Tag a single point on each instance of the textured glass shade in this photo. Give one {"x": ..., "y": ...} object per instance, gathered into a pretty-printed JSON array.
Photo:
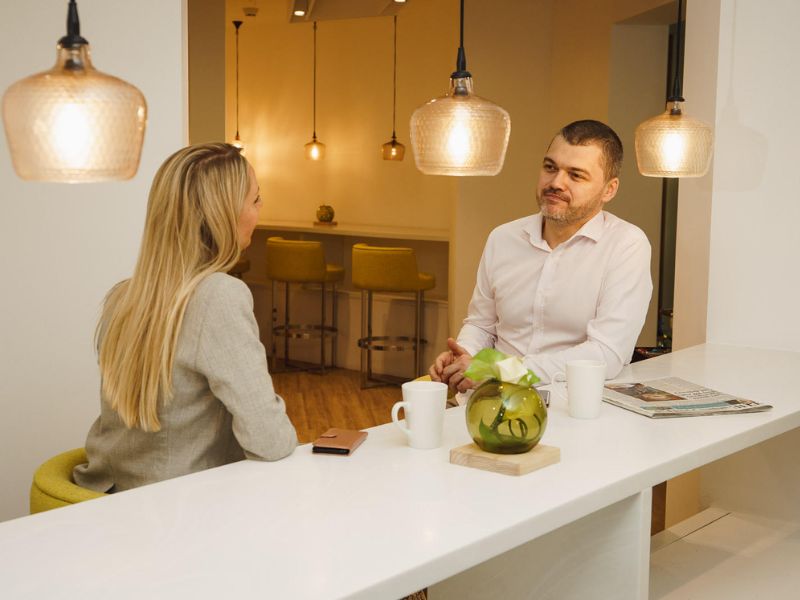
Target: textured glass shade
[
  {"x": 315, "y": 150},
  {"x": 460, "y": 133},
  {"x": 73, "y": 123},
  {"x": 673, "y": 145},
  {"x": 393, "y": 150}
]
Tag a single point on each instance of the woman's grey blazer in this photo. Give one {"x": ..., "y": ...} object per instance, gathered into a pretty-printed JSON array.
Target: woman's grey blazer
[{"x": 224, "y": 407}]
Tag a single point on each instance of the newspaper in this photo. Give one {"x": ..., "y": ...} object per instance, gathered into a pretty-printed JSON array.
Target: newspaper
[{"x": 674, "y": 397}]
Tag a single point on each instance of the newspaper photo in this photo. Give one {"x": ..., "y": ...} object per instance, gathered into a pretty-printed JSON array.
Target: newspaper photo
[{"x": 674, "y": 397}]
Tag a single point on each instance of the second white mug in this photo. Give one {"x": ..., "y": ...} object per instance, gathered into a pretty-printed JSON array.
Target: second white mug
[
  {"x": 585, "y": 380},
  {"x": 423, "y": 404}
]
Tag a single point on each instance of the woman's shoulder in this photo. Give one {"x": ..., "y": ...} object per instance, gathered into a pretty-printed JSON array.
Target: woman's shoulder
[{"x": 221, "y": 287}]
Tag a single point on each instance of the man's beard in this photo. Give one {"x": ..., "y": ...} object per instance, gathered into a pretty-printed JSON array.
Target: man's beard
[{"x": 569, "y": 214}]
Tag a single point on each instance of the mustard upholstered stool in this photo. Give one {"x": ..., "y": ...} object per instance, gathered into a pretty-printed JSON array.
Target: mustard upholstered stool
[
  {"x": 240, "y": 268},
  {"x": 380, "y": 269},
  {"x": 53, "y": 486},
  {"x": 300, "y": 261}
]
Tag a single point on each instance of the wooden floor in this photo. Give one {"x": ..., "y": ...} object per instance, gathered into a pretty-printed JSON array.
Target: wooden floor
[{"x": 317, "y": 402}]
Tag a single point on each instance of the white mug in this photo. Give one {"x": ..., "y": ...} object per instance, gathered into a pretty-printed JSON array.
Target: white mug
[
  {"x": 585, "y": 380},
  {"x": 423, "y": 404}
]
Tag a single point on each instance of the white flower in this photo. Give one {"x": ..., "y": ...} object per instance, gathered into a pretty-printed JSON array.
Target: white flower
[{"x": 511, "y": 369}]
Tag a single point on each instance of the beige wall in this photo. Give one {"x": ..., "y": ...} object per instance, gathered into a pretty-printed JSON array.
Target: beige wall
[
  {"x": 62, "y": 246},
  {"x": 206, "y": 22},
  {"x": 354, "y": 111}
]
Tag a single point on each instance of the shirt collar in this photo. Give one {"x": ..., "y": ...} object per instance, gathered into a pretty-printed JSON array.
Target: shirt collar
[{"x": 592, "y": 229}]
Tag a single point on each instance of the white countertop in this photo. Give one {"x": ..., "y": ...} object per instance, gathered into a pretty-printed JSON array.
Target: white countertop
[
  {"x": 356, "y": 230},
  {"x": 389, "y": 519}
]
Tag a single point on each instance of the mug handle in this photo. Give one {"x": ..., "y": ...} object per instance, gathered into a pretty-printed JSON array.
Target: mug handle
[
  {"x": 395, "y": 418},
  {"x": 560, "y": 377}
]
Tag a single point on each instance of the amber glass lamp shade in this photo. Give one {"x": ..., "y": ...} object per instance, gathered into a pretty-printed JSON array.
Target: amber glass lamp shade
[
  {"x": 673, "y": 145},
  {"x": 315, "y": 150},
  {"x": 460, "y": 133},
  {"x": 393, "y": 150},
  {"x": 74, "y": 124}
]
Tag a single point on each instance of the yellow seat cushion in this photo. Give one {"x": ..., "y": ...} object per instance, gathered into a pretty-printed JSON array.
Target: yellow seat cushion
[
  {"x": 53, "y": 486},
  {"x": 387, "y": 269},
  {"x": 300, "y": 261}
]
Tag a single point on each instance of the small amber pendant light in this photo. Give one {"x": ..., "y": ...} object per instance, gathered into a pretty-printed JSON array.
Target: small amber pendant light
[
  {"x": 237, "y": 141},
  {"x": 394, "y": 150},
  {"x": 315, "y": 150}
]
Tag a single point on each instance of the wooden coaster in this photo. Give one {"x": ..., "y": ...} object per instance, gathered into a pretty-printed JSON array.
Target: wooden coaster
[{"x": 507, "y": 464}]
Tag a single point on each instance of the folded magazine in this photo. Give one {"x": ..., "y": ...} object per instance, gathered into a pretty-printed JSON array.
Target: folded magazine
[{"x": 675, "y": 397}]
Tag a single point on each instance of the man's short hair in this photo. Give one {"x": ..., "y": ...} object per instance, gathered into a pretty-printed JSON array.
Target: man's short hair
[{"x": 587, "y": 131}]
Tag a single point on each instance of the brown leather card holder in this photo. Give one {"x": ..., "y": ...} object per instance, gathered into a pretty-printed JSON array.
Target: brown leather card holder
[{"x": 339, "y": 441}]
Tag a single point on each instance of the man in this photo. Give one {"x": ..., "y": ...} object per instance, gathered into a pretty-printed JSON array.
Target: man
[{"x": 570, "y": 282}]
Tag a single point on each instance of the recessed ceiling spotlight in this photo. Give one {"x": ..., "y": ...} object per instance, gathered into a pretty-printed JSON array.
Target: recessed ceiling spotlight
[
  {"x": 299, "y": 13},
  {"x": 400, "y": 1},
  {"x": 250, "y": 11}
]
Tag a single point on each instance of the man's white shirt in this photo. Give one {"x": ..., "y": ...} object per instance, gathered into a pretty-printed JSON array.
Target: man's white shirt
[{"x": 585, "y": 299}]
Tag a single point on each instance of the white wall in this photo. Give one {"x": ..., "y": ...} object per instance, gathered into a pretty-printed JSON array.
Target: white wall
[
  {"x": 62, "y": 246},
  {"x": 753, "y": 278}
]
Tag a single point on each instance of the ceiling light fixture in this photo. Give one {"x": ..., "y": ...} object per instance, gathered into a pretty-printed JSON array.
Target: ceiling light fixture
[
  {"x": 237, "y": 141},
  {"x": 672, "y": 144},
  {"x": 460, "y": 133},
  {"x": 74, "y": 124},
  {"x": 299, "y": 8},
  {"x": 394, "y": 150},
  {"x": 315, "y": 150}
]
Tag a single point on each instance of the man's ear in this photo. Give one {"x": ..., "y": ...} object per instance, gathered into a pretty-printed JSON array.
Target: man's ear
[{"x": 610, "y": 189}]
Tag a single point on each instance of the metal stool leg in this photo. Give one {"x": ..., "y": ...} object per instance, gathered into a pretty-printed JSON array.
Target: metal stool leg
[
  {"x": 286, "y": 325},
  {"x": 369, "y": 334},
  {"x": 272, "y": 331},
  {"x": 322, "y": 333},
  {"x": 335, "y": 325},
  {"x": 418, "y": 334},
  {"x": 363, "y": 337}
]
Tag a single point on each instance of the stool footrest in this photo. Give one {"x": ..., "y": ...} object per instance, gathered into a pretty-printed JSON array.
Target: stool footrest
[
  {"x": 305, "y": 332},
  {"x": 387, "y": 342}
]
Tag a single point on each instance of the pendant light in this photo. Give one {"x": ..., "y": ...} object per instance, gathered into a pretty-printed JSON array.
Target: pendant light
[
  {"x": 672, "y": 144},
  {"x": 74, "y": 124},
  {"x": 460, "y": 133},
  {"x": 315, "y": 150},
  {"x": 237, "y": 141},
  {"x": 394, "y": 150}
]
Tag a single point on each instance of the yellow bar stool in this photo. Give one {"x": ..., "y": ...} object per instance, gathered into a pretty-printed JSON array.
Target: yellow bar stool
[
  {"x": 393, "y": 270},
  {"x": 303, "y": 262}
]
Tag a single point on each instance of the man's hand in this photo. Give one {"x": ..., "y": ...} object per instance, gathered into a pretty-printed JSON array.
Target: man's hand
[{"x": 449, "y": 367}]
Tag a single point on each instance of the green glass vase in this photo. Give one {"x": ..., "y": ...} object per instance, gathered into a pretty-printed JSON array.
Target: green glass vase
[{"x": 505, "y": 418}]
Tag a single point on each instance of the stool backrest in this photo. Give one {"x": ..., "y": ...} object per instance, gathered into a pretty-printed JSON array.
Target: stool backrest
[
  {"x": 385, "y": 269},
  {"x": 295, "y": 260}
]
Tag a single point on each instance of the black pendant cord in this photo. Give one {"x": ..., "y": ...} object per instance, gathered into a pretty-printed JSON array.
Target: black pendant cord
[
  {"x": 677, "y": 81},
  {"x": 461, "y": 59},
  {"x": 314, "y": 115},
  {"x": 394, "y": 84},
  {"x": 73, "y": 37},
  {"x": 237, "y": 24}
]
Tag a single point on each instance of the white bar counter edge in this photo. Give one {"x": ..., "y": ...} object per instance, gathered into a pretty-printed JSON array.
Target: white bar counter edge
[{"x": 389, "y": 519}]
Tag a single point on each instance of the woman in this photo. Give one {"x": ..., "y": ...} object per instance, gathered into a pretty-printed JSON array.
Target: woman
[{"x": 185, "y": 385}]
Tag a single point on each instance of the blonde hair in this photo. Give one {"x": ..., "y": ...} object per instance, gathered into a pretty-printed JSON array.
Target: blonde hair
[{"x": 190, "y": 232}]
